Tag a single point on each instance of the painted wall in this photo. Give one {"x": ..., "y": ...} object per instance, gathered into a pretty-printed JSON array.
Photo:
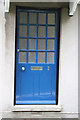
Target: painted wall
[
  {"x": 2, "y": 55},
  {"x": 68, "y": 63},
  {"x": 79, "y": 60}
]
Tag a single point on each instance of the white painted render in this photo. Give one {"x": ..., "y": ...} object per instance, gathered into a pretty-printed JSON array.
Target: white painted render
[
  {"x": 2, "y": 53},
  {"x": 68, "y": 62}
]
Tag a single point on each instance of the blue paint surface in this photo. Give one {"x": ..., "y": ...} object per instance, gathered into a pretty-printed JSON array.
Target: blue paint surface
[{"x": 36, "y": 86}]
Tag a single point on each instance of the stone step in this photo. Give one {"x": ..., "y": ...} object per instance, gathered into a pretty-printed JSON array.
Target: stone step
[{"x": 40, "y": 119}]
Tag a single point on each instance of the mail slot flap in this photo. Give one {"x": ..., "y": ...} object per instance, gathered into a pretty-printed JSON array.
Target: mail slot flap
[{"x": 36, "y": 68}]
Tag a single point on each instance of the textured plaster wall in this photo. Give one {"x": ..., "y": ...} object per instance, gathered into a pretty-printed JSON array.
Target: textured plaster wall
[
  {"x": 69, "y": 62},
  {"x": 2, "y": 52}
]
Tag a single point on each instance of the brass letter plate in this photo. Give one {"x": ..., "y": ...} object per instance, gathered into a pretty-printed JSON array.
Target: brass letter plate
[{"x": 36, "y": 68}]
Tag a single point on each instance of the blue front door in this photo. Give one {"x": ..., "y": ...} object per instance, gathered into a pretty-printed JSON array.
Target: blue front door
[{"x": 36, "y": 57}]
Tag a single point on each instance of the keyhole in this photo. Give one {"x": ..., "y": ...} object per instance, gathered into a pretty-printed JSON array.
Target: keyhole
[{"x": 48, "y": 67}]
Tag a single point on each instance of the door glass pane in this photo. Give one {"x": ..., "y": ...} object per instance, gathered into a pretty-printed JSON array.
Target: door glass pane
[
  {"x": 51, "y": 18},
  {"x": 22, "y": 43},
  {"x": 23, "y": 17},
  {"x": 50, "y": 57},
  {"x": 50, "y": 44},
  {"x": 51, "y": 31},
  {"x": 41, "y": 57},
  {"x": 22, "y": 57},
  {"x": 32, "y": 31},
  {"x": 32, "y": 57},
  {"x": 23, "y": 31},
  {"x": 42, "y": 18},
  {"x": 32, "y": 18},
  {"x": 41, "y": 44},
  {"x": 41, "y": 31},
  {"x": 32, "y": 44}
]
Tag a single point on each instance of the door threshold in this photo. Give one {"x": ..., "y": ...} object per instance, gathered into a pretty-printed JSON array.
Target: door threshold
[{"x": 37, "y": 108}]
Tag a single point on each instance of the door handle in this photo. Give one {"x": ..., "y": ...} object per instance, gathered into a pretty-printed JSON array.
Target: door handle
[
  {"x": 17, "y": 50},
  {"x": 23, "y": 68}
]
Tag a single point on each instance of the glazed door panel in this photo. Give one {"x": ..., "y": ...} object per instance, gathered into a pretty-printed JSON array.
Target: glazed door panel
[{"x": 36, "y": 57}]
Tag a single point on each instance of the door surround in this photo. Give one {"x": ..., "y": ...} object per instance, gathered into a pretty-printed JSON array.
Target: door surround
[{"x": 57, "y": 107}]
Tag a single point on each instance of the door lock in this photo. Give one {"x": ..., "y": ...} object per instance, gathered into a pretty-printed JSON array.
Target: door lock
[
  {"x": 17, "y": 50},
  {"x": 23, "y": 68},
  {"x": 48, "y": 68}
]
